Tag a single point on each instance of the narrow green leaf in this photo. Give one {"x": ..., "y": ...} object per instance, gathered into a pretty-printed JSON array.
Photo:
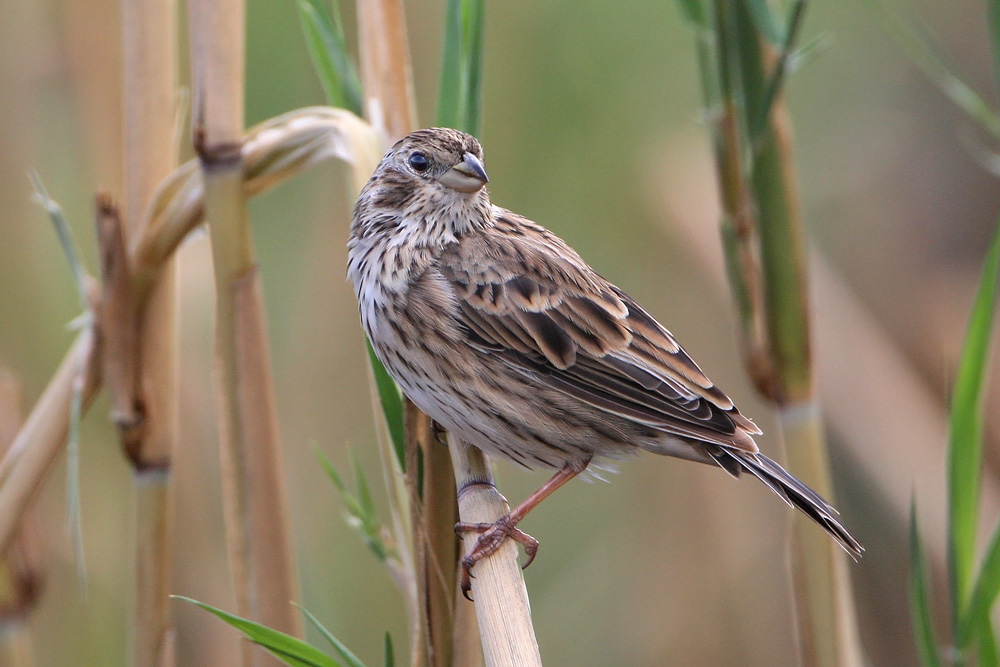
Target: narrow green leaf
[
  {"x": 86, "y": 318},
  {"x": 779, "y": 72},
  {"x": 920, "y": 605},
  {"x": 360, "y": 510},
  {"x": 966, "y": 434},
  {"x": 450, "y": 92},
  {"x": 390, "y": 658},
  {"x": 988, "y": 656},
  {"x": 325, "y": 38},
  {"x": 345, "y": 653},
  {"x": 460, "y": 97},
  {"x": 993, "y": 7},
  {"x": 765, "y": 21},
  {"x": 919, "y": 47},
  {"x": 291, "y": 650},
  {"x": 977, "y": 614},
  {"x": 392, "y": 406},
  {"x": 695, "y": 12},
  {"x": 364, "y": 492}
]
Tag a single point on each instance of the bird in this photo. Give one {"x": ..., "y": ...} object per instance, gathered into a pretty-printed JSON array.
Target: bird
[{"x": 500, "y": 332}]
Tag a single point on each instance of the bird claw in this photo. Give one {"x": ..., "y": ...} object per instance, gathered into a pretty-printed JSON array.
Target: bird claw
[{"x": 491, "y": 537}]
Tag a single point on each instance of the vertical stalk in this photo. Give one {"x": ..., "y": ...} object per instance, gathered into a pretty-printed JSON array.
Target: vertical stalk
[
  {"x": 149, "y": 86},
  {"x": 386, "y": 75},
  {"x": 762, "y": 236},
  {"x": 253, "y": 475},
  {"x": 19, "y": 576},
  {"x": 498, "y": 587}
]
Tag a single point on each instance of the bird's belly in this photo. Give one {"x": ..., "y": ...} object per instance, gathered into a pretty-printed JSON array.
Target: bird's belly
[{"x": 502, "y": 411}]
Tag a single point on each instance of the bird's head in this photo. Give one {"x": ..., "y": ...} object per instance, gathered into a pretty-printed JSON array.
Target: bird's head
[
  {"x": 440, "y": 158},
  {"x": 428, "y": 188}
]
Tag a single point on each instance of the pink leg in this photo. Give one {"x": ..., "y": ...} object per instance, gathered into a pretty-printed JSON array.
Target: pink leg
[{"x": 492, "y": 535}]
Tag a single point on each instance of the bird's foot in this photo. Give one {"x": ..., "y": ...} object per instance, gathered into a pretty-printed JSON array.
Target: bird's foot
[{"x": 491, "y": 536}]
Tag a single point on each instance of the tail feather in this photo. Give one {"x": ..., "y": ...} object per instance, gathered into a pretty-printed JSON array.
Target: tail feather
[{"x": 792, "y": 491}]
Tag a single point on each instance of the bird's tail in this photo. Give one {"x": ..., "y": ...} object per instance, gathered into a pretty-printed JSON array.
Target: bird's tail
[{"x": 791, "y": 490}]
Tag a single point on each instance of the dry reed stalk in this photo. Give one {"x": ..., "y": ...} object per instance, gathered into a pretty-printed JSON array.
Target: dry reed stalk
[
  {"x": 273, "y": 152},
  {"x": 827, "y": 619},
  {"x": 762, "y": 230},
  {"x": 256, "y": 499},
  {"x": 389, "y": 105},
  {"x": 147, "y": 415},
  {"x": 19, "y": 575},
  {"x": 386, "y": 75},
  {"x": 43, "y": 434},
  {"x": 501, "y": 599}
]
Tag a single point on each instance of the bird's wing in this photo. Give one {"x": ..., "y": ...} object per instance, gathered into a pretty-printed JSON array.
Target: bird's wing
[{"x": 529, "y": 299}]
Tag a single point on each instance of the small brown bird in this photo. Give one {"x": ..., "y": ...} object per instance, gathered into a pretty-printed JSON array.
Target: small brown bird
[{"x": 499, "y": 331}]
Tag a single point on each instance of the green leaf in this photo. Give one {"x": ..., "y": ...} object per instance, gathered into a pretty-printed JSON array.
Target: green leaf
[
  {"x": 988, "y": 656},
  {"x": 325, "y": 38},
  {"x": 695, "y": 12},
  {"x": 779, "y": 72},
  {"x": 966, "y": 434},
  {"x": 390, "y": 658},
  {"x": 364, "y": 492},
  {"x": 345, "y": 653},
  {"x": 993, "y": 9},
  {"x": 392, "y": 406},
  {"x": 360, "y": 508},
  {"x": 291, "y": 650},
  {"x": 460, "y": 96},
  {"x": 920, "y": 606},
  {"x": 977, "y": 613},
  {"x": 766, "y": 22},
  {"x": 921, "y": 50}
]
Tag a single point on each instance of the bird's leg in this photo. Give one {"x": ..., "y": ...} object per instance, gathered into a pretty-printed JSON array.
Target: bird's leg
[{"x": 492, "y": 535}]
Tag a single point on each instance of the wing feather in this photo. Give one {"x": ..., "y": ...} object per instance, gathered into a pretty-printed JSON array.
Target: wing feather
[{"x": 529, "y": 299}]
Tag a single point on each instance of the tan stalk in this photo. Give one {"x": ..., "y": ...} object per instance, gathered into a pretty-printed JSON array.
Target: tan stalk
[
  {"x": 828, "y": 631},
  {"x": 273, "y": 152},
  {"x": 498, "y": 589},
  {"x": 256, "y": 499},
  {"x": 43, "y": 435},
  {"x": 149, "y": 30},
  {"x": 389, "y": 104},
  {"x": 386, "y": 76},
  {"x": 19, "y": 576},
  {"x": 762, "y": 231}
]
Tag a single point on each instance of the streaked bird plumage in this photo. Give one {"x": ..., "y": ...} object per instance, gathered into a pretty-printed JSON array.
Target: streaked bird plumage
[{"x": 498, "y": 330}]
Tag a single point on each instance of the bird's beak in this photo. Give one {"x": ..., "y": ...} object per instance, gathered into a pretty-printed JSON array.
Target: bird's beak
[{"x": 467, "y": 176}]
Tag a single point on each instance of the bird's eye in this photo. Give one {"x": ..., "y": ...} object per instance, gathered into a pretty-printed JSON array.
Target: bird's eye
[{"x": 419, "y": 162}]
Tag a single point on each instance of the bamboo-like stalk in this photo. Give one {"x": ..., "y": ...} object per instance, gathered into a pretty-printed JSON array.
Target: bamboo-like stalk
[
  {"x": 386, "y": 76},
  {"x": 434, "y": 513},
  {"x": 149, "y": 88},
  {"x": 257, "y": 513},
  {"x": 390, "y": 107},
  {"x": 19, "y": 576},
  {"x": 498, "y": 589},
  {"x": 764, "y": 252},
  {"x": 273, "y": 152},
  {"x": 828, "y": 631},
  {"x": 44, "y": 432}
]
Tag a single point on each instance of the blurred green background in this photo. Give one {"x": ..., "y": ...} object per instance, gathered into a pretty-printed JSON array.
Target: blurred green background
[{"x": 592, "y": 126}]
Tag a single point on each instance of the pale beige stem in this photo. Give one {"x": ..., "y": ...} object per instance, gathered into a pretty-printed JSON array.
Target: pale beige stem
[
  {"x": 498, "y": 589},
  {"x": 827, "y": 615},
  {"x": 19, "y": 565},
  {"x": 386, "y": 75},
  {"x": 149, "y": 36},
  {"x": 44, "y": 433},
  {"x": 257, "y": 513}
]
